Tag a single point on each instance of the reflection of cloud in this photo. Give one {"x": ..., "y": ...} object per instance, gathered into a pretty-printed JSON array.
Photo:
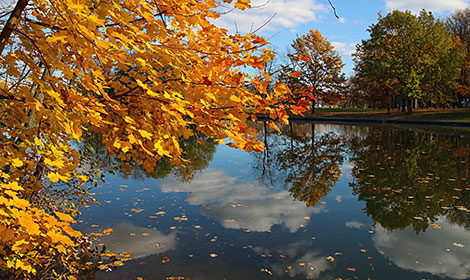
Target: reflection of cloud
[
  {"x": 427, "y": 252},
  {"x": 346, "y": 168},
  {"x": 137, "y": 244},
  {"x": 430, "y": 5},
  {"x": 261, "y": 208},
  {"x": 354, "y": 224},
  {"x": 339, "y": 198},
  {"x": 289, "y": 14},
  {"x": 298, "y": 253}
]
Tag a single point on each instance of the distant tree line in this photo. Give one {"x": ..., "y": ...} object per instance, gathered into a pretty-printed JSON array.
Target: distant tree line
[
  {"x": 413, "y": 61},
  {"x": 409, "y": 61}
]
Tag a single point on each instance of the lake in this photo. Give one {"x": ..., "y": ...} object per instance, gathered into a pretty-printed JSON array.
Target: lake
[{"x": 323, "y": 201}]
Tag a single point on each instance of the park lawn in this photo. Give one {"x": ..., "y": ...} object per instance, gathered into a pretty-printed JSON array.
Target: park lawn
[{"x": 462, "y": 114}]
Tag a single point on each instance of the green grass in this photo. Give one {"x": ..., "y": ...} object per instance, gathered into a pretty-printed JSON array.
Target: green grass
[{"x": 418, "y": 114}]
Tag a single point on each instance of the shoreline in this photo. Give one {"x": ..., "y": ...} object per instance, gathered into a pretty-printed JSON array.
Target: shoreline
[{"x": 335, "y": 119}]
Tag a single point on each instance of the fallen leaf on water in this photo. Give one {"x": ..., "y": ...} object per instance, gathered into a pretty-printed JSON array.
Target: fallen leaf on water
[
  {"x": 363, "y": 250},
  {"x": 307, "y": 218},
  {"x": 95, "y": 226},
  {"x": 289, "y": 267},
  {"x": 160, "y": 213},
  {"x": 172, "y": 227},
  {"x": 330, "y": 258},
  {"x": 458, "y": 245},
  {"x": 251, "y": 185},
  {"x": 436, "y": 226},
  {"x": 108, "y": 231},
  {"x": 137, "y": 210},
  {"x": 198, "y": 227},
  {"x": 351, "y": 269},
  {"x": 229, "y": 221},
  {"x": 145, "y": 234},
  {"x": 266, "y": 270},
  {"x": 213, "y": 255},
  {"x": 165, "y": 260},
  {"x": 302, "y": 264}
]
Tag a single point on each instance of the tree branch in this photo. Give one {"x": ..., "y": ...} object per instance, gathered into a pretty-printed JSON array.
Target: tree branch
[{"x": 11, "y": 23}]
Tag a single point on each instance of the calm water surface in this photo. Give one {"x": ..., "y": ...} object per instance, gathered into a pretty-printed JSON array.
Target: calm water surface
[{"x": 321, "y": 202}]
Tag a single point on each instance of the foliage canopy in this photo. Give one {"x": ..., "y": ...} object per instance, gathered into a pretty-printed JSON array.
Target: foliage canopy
[{"x": 143, "y": 74}]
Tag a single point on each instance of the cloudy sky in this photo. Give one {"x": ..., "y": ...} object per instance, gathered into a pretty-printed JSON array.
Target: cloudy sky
[{"x": 293, "y": 17}]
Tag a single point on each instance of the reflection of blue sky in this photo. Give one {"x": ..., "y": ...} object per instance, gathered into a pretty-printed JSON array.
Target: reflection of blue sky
[
  {"x": 432, "y": 251},
  {"x": 265, "y": 207}
]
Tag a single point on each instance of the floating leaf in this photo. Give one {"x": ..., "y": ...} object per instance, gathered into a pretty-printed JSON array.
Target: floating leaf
[{"x": 436, "y": 226}]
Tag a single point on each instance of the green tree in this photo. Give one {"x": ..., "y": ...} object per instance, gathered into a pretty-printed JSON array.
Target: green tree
[
  {"x": 314, "y": 70},
  {"x": 414, "y": 58},
  {"x": 459, "y": 24}
]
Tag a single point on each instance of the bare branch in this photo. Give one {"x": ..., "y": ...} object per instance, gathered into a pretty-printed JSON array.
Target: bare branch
[{"x": 334, "y": 9}]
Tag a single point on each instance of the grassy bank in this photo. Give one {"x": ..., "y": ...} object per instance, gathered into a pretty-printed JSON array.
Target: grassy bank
[{"x": 418, "y": 114}]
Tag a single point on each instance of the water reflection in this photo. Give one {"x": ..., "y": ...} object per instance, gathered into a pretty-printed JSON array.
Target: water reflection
[
  {"x": 321, "y": 202},
  {"x": 433, "y": 252},
  {"x": 198, "y": 151},
  {"x": 409, "y": 178},
  {"x": 239, "y": 205},
  {"x": 138, "y": 241},
  {"x": 308, "y": 164}
]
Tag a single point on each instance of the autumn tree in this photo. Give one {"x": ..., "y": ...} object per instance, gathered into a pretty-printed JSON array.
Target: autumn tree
[
  {"x": 59, "y": 65},
  {"x": 459, "y": 24},
  {"x": 314, "y": 69},
  {"x": 413, "y": 58}
]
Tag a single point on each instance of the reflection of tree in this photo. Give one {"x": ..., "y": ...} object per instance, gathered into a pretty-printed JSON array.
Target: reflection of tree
[
  {"x": 407, "y": 177},
  {"x": 198, "y": 151},
  {"x": 308, "y": 164}
]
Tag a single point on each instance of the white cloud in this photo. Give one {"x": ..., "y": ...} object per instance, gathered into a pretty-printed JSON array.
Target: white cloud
[
  {"x": 355, "y": 224},
  {"x": 127, "y": 237},
  {"x": 289, "y": 14},
  {"x": 430, "y": 5},
  {"x": 261, "y": 207},
  {"x": 345, "y": 49},
  {"x": 432, "y": 251}
]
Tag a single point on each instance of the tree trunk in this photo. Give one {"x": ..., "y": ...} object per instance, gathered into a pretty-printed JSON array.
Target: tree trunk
[
  {"x": 409, "y": 104},
  {"x": 312, "y": 109}
]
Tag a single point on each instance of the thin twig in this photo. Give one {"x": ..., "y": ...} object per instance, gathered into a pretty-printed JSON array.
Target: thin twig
[
  {"x": 334, "y": 9},
  {"x": 264, "y": 24}
]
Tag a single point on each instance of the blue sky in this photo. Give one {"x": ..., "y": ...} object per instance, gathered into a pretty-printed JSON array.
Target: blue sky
[{"x": 294, "y": 17}]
